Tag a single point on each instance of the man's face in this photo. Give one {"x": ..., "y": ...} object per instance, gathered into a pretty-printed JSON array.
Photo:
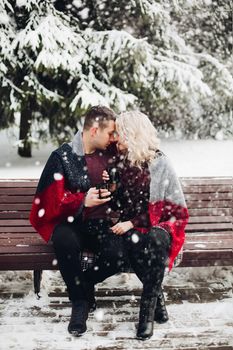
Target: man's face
[{"x": 104, "y": 136}]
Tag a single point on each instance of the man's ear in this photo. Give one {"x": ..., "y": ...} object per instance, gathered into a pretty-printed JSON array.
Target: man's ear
[{"x": 93, "y": 130}]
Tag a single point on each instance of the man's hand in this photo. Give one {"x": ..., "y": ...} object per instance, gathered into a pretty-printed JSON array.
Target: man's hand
[
  {"x": 92, "y": 198},
  {"x": 121, "y": 227}
]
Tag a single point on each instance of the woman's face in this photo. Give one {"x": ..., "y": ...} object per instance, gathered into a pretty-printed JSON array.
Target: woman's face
[{"x": 121, "y": 142}]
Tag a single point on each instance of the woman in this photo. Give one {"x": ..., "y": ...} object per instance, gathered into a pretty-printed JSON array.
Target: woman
[{"x": 152, "y": 210}]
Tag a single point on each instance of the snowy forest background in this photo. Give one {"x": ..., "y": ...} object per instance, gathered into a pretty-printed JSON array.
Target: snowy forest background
[{"x": 172, "y": 59}]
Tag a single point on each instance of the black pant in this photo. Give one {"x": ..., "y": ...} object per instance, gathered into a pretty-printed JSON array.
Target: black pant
[
  {"x": 148, "y": 257},
  {"x": 70, "y": 239},
  {"x": 146, "y": 253}
]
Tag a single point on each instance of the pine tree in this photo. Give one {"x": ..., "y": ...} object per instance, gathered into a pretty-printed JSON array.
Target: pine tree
[{"x": 59, "y": 57}]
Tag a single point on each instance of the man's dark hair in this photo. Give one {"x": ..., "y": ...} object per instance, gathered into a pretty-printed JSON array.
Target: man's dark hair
[{"x": 100, "y": 114}]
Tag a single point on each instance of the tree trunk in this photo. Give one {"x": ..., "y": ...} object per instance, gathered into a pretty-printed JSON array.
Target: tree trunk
[{"x": 25, "y": 149}]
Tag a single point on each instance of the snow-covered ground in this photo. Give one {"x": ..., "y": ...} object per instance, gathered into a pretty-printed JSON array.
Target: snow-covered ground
[
  {"x": 189, "y": 157},
  {"x": 30, "y": 324}
]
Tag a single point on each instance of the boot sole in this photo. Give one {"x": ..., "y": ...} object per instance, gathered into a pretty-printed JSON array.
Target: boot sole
[
  {"x": 161, "y": 321},
  {"x": 142, "y": 338},
  {"x": 76, "y": 333}
]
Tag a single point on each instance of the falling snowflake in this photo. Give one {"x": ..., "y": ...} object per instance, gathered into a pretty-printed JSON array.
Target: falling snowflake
[
  {"x": 57, "y": 176},
  {"x": 41, "y": 213},
  {"x": 37, "y": 201},
  {"x": 135, "y": 238},
  {"x": 54, "y": 262},
  {"x": 70, "y": 219},
  {"x": 99, "y": 315}
]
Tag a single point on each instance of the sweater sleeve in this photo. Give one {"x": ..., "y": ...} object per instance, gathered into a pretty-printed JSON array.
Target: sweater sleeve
[
  {"x": 53, "y": 201},
  {"x": 167, "y": 207}
]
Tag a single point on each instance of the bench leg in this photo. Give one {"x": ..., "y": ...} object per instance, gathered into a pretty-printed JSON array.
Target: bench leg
[{"x": 37, "y": 275}]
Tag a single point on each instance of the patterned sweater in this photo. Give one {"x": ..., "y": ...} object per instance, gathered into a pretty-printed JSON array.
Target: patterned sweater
[
  {"x": 152, "y": 196},
  {"x": 62, "y": 187}
]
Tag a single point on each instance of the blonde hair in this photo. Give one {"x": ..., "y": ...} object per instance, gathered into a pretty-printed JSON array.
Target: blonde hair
[{"x": 140, "y": 136}]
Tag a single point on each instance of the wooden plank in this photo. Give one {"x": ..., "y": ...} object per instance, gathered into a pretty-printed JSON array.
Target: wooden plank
[
  {"x": 17, "y": 191},
  {"x": 196, "y": 181},
  {"x": 23, "y": 248},
  {"x": 209, "y": 227},
  {"x": 33, "y": 239},
  {"x": 14, "y": 207},
  {"x": 17, "y": 229},
  {"x": 210, "y": 219},
  {"x": 206, "y": 261},
  {"x": 208, "y": 196},
  {"x": 17, "y": 222},
  {"x": 18, "y": 183},
  {"x": 16, "y": 199},
  {"x": 14, "y": 215},
  {"x": 207, "y": 204},
  {"x": 210, "y": 245},
  {"x": 207, "y": 189},
  {"x": 28, "y": 262},
  {"x": 209, "y": 235},
  {"x": 21, "y": 235},
  {"x": 210, "y": 212}
]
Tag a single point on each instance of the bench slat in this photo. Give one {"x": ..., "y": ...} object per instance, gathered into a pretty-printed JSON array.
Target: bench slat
[
  {"x": 14, "y": 207},
  {"x": 209, "y": 227},
  {"x": 210, "y": 219},
  {"x": 17, "y": 222},
  {"x": 210, "y": 212},
  {"x": 194, "y": 181},
  {"x": 17, "y": 191},
  {"x": 208, "y": 196},
  {"x": 17, "y": 229},
  {"x": 14, "y": 215},
  {"x": 16, "y": 199},
  {"x": 194, "y": 220},
  {"x": 207, "y": 189},
  {"x": 206, "y": 204},
  {"x": 18, "y": 183},
  {"x": 201, "y": 212}
]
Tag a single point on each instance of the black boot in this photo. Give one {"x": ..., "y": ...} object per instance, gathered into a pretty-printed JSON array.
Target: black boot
[
  {"x": 91, "y": 300},
  {"x": 146, "y": 318},
  {"x": 161, "y": 315},
  {"x": 89, "y": 290},
  {"x": 79, "y": 315}
]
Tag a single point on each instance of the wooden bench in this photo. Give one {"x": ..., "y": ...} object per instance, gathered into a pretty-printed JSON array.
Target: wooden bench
[{"x": 209, "y": 234}]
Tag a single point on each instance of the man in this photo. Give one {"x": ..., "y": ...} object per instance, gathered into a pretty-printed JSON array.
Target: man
[{"x": 70, "y": 210}]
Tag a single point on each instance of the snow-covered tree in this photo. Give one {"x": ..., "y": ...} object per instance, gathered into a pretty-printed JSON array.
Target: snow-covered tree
[
  {"x": 207, "y": 26},
  {"x": 7, "y": 62},
  {"x": 62, "y": 56}
]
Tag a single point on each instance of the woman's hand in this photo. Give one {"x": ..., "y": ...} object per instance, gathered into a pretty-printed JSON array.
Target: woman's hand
[
  {"x": 121, "y": 227},
  {"x": 105, "y": 176}
]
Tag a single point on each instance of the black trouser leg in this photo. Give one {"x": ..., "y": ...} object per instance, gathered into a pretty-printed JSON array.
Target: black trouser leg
[
  {"x": 148, "y": 254},
  {"x": 67, "y": 246},
  {"x": 111, "y": 253}
]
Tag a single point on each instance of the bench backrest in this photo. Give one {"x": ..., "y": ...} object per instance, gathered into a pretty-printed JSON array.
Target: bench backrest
[{"x": 209, "y": 201}]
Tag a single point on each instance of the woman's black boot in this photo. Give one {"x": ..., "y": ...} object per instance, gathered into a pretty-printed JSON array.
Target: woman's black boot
[
  {"x": 161, "y": 315},
  {"x": 146, "y": 318},
  {"x": 77, "y": 325}
]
